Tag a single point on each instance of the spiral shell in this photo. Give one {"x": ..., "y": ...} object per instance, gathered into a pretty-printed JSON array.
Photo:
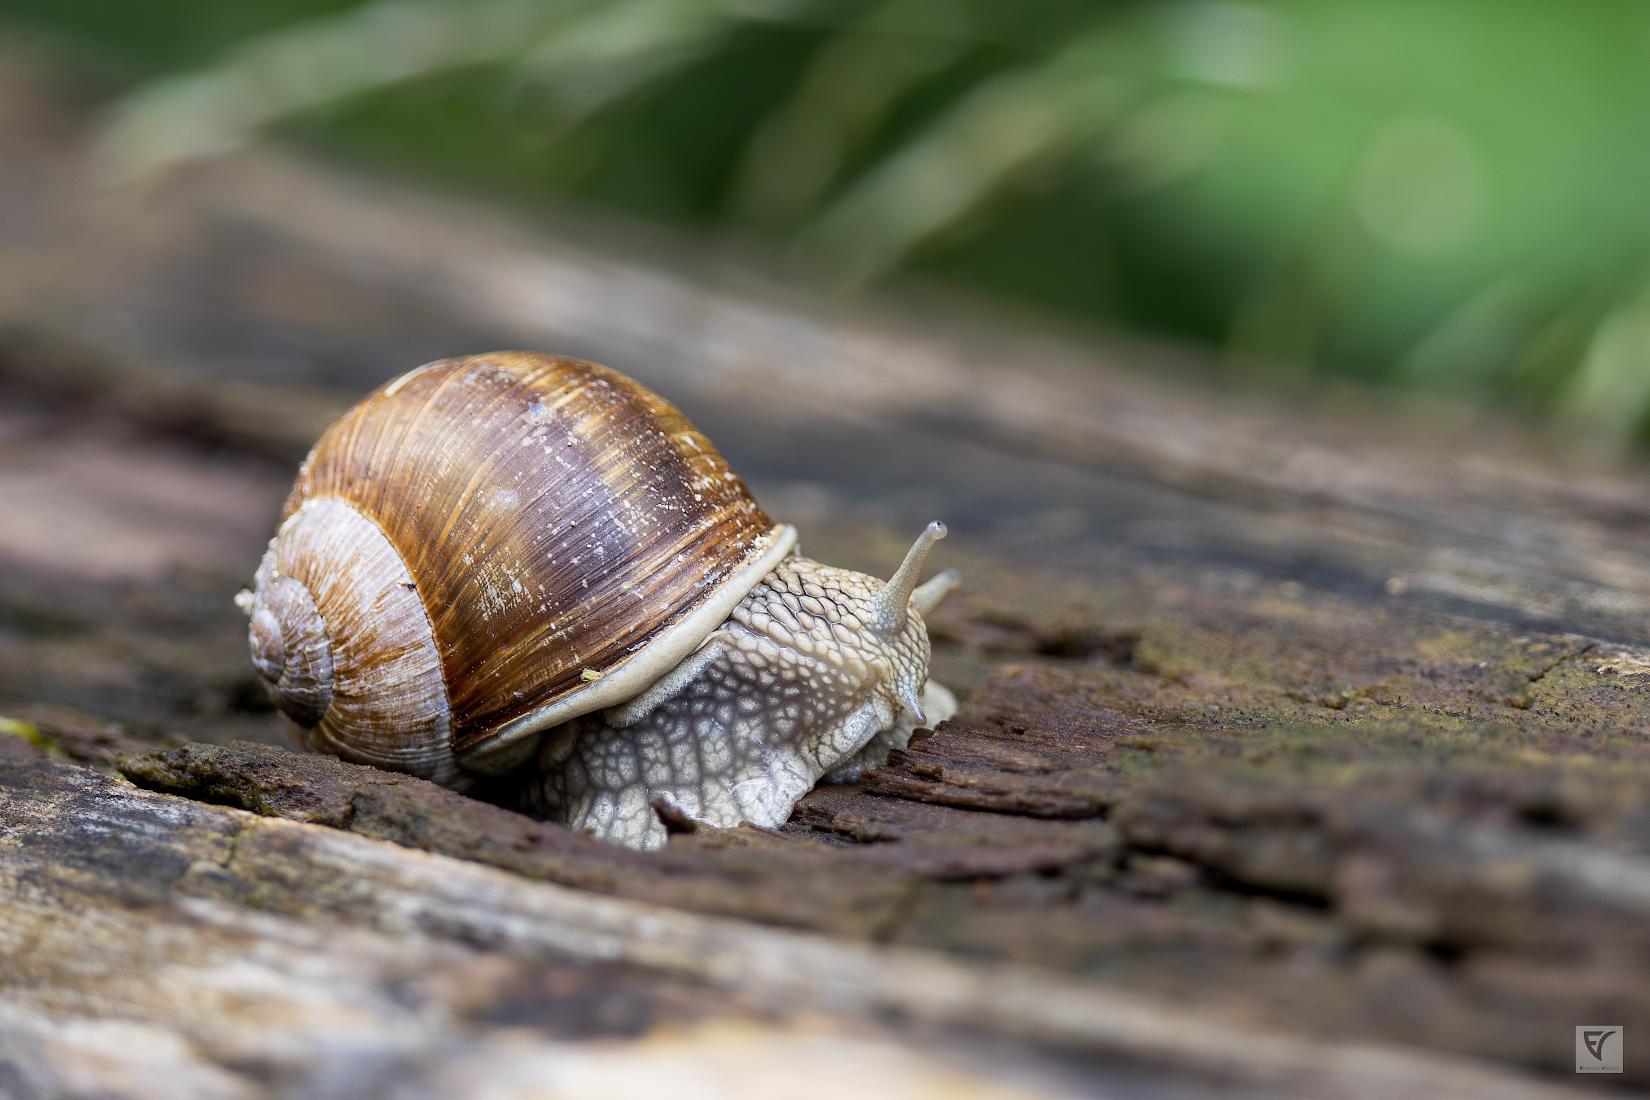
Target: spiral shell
[{"x": 489, "y": 546}]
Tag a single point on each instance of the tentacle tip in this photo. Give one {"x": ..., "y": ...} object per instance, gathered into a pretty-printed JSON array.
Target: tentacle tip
[
  {"x": 912, "y": 702},
  {"x": 929, "y": 594},
  {"x": 893, "y": 602}
]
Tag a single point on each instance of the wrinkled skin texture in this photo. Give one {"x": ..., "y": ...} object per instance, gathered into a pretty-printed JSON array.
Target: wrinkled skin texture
[{"x": 799, "y": 684}]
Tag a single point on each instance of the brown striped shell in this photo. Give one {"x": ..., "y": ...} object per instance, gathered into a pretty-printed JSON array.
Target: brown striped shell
[{"x": 492, "y": 545}]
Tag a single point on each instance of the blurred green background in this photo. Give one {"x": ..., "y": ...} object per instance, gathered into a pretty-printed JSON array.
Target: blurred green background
[{"x": 1446, "y": 195}]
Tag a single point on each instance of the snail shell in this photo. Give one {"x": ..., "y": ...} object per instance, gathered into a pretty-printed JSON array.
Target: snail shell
[{"x": 489, "y": 546}]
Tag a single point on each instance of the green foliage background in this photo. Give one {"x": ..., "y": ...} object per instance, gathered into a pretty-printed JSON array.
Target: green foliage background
[{"x": 1445, "y": 194}]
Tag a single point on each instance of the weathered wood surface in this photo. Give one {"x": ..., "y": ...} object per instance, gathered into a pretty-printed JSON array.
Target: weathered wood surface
[{"x": 1304, "y": 749}]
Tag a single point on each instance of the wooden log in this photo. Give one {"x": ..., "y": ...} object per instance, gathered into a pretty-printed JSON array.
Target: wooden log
[{"x": 262, "y": 954}]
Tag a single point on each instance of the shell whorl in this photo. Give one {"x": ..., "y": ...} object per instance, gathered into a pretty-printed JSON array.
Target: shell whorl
[
  {"x": 291, "y": 651},
  {"x": 342, "y": 640}
]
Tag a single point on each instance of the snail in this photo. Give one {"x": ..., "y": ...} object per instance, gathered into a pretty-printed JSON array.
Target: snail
[{"x": 530, "y": 565}]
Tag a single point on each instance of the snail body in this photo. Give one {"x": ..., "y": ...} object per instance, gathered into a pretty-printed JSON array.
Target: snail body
[{"x": 533, "y": 565}]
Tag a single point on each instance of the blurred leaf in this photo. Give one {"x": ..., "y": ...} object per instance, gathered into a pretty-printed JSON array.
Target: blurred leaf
[
  {"x": 965, "y": 158},
  {"x": 621, "y": 48},
  {"x": 1611, "y": 390},
  {"x": 312, "y": 64},
  {"x": 842, "y": 98},
  {"x": 1440, "y": 196}
]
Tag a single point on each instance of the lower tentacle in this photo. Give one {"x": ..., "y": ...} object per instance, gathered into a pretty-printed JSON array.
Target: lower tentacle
[{"x": 938, "y": 704}]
